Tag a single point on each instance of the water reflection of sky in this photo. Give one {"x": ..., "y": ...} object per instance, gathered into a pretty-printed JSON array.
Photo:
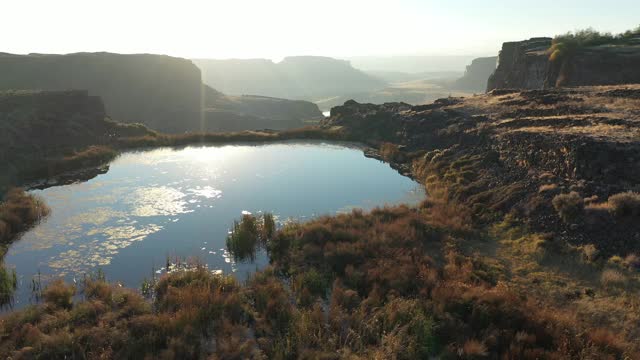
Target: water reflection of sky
[{"x": 182, "y": 202}]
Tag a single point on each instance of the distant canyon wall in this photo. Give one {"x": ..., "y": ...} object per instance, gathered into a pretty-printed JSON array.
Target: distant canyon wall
[
  {"x": 162, "y": 92},
  {"x": 298, "y": 77},
  {"x": 526, "y": 65},
  {"x": 477, "y": 74}
]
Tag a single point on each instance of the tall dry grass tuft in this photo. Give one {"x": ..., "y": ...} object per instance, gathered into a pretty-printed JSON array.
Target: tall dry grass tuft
[
  {"x": 19, "y": 211},
  {"x": 569, "y": 206},
  {"x": 624, "y": 205}
]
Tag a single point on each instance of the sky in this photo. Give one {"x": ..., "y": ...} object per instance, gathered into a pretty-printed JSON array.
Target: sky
[{"x": 277, "y": 28}]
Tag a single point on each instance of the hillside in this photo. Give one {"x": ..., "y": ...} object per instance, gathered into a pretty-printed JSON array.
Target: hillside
[
  {"x": 38, "y": 127},
  {"x": 517, "y": 150},
  {"x": 300, "y": 77},
  {"x": 552, "y": 177},
  {"x": 159, "y": 91}
]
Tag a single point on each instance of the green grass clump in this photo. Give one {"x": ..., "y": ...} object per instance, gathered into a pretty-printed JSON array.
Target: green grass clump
[{"x": 248, "y": 233}]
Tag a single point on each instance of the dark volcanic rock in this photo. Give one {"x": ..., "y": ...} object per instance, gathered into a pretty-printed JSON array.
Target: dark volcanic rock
[
  {"x": 522, "y": 65},
  {"x": 159, "y": 91}
]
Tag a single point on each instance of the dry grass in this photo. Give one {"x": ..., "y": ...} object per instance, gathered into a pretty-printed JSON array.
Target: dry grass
[
  {"x": 569, "y": 206},
  {"x": 548, "y": 188},
  {"x": 18, "y": 212},
  {"x": 611, "y": 278},
  {"x": 624, "y": 205},
  {"x": 474, "y": 349}
]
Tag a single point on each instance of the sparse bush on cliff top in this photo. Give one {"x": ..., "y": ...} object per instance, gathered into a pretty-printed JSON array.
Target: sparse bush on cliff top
[
  {"x": 565, "y": 45},
  {"x": 624, "y": 205},
  {"x": 569, "y": 206}
]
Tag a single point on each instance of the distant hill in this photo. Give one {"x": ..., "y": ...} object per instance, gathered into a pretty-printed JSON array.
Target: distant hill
[
  {"x": 159, "y": 91},
  {"x": 299, "y": 77},
  {"x": 477, "y": 74},
  {"x": 398, "y": 77},
  {"x": 416, "y": 92},
  {"x": 250, "y": 112},
  {"x": 411, "y": 64}
]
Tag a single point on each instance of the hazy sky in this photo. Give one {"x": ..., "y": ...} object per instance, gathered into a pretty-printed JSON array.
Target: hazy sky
[{"x": 276, "y": 28}]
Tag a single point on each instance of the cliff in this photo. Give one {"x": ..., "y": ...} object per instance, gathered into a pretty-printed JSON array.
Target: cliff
[
  {"x": 476, "y": 75},
  {"x": 37, "y": 126},
  {"x": 159, "y": 91},
  {"x": 301, "y": 77},
  {"x": 250, "y": 112},
  {"x": 526, "y": 65}
]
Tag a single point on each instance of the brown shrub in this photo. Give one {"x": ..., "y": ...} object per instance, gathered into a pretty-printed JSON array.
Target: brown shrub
[
  {"x": 19, "y": 211},
  {"x": 613, "y": 279},
  {"x": 632, "y": 261},
  {"x": 625, "y": 205},
  {"x": 569, "y": 206},
  {"x": 474, "y": 349},
  {"x": 590, "y": 252},
  {"x": 59, "y": 294}
]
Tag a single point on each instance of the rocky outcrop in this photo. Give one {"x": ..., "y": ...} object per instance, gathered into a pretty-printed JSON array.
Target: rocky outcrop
[
  {"x": 251, "y": 112},
  {"x": 159, "y": 91},
  {"x": 513, "y": 151},
  {"x": 522, "y": 65},
  {"x": 36, "y": 126},
  {"x": 299, "y": 77},
  {"x": 526, "y": 65},
  {"x": 477, "y": 74}
]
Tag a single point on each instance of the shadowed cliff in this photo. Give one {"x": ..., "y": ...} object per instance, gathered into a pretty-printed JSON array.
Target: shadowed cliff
[{"x": 159, "y": 91}]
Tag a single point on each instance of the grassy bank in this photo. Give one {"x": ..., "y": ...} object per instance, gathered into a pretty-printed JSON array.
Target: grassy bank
[
  {"x": 18, "y": 212},
  {"x": 392, "y": 283}
]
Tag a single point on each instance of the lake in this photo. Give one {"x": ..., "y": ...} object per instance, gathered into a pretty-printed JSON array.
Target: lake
[{"x": 180, "y": 203}]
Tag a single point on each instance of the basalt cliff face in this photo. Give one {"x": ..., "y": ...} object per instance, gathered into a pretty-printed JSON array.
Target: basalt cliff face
[
  {"x": 477, "y": 74},
  {"x": 526, "y": 65},
  {"x": 159, "y": 91}
]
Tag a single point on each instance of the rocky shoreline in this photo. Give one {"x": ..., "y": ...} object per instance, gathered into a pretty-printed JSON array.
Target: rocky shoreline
[{"x": 513, "y": 151}]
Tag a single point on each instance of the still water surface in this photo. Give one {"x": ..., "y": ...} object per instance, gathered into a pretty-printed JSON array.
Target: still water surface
[{"x": 182, "y": 203}]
